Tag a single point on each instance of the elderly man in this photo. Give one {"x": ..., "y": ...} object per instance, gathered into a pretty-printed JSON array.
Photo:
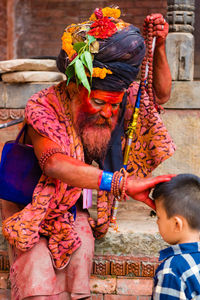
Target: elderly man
[{"x": 70, "y": 125}]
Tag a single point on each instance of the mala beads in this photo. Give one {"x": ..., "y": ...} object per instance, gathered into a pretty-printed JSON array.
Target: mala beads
[
  {"x": 146, "y": 116},
  {"x": 122, "y": 174},
  {"x": 118, "y": 177},
  {"x": 147, "y": 74},
  {"x": 47, "y": 154}
]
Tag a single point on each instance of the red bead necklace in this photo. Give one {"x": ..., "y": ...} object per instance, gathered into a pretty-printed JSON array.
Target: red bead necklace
[{"x": 146, "y": 114}]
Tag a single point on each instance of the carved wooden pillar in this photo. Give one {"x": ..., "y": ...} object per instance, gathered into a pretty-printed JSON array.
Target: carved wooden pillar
[{"x": 180, "y": 40}]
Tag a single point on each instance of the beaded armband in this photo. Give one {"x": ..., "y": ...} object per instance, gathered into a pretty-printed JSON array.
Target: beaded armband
[{"x": 47, "y": 154}]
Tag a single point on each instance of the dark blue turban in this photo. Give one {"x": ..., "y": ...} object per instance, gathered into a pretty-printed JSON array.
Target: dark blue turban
[{"x": 121, "y": 53}]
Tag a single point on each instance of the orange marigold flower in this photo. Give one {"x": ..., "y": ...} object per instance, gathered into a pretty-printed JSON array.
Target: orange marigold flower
[
  {"x": 67, "y": 44},
  {"x": 100, "y": 72},
  {"x": 67, "y": 37},
  {"x": 93, "y": 17},
  {"x": 111, "y": 12},
  {"x": 108, "y": 12},
  {"x": 72, "y": 28}
]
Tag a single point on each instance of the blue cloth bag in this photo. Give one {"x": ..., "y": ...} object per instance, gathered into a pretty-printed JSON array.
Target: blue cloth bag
[{"x": 19, "y": 171}]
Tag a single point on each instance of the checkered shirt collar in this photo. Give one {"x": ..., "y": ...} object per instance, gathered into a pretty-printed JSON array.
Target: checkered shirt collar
[{"x": 179, "y": 249}]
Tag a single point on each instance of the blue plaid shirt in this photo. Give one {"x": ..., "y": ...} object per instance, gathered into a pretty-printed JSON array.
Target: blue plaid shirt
[{"x": 178, "y": 276}]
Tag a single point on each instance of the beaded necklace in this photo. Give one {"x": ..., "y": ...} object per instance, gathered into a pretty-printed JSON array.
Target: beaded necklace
[{"x": 147, "y": 73}]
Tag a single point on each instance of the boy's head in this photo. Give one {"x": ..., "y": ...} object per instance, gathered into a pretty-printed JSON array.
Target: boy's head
[{"x": 178, "y": 208}]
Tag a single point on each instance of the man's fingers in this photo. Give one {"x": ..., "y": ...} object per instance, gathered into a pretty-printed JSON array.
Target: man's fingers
[
  {"x": 150, "y": 203},
  {"x": 155, "y": 180},
  {"x": 159, "y": 21},
  {"x": 159, "y": 27}
]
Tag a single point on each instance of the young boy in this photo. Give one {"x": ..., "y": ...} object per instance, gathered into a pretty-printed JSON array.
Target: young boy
[{"x": 178, "y": 212}]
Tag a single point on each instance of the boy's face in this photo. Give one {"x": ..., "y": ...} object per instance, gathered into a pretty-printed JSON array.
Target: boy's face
[{"x": 165, "y": 224}]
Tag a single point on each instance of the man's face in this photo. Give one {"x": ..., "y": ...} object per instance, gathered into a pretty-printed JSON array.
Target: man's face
[
  {"x": 104, "y": 103},
  {"x": 95, "y": 117}
]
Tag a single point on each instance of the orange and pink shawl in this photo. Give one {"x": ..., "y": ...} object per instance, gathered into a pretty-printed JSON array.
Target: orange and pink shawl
[{"x": 48, "y": 112}]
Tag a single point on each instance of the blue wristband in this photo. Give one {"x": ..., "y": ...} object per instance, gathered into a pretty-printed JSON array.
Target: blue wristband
[{"x": 106, "y": 181}]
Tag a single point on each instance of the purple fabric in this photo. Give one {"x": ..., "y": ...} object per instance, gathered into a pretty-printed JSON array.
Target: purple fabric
[{"x": 19, "y": 172}]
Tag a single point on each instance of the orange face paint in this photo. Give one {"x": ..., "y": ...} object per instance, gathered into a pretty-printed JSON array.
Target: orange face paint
[{"x": 107, "y": 104}]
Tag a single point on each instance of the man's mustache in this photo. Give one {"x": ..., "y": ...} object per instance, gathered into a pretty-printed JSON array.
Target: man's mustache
[
  {"x": 94, "y": 120},
  {"x": 103, "y": 122}
]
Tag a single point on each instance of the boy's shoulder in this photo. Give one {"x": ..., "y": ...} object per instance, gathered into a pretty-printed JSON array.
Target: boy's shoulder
[{"x": 179, "y": 258}]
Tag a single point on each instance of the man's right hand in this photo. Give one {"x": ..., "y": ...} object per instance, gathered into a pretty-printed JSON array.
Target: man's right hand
[{"x": 139, "y": 189}]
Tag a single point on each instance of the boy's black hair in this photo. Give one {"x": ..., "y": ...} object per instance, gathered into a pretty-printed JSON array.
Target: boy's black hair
[{"x": 181, "y": 196}]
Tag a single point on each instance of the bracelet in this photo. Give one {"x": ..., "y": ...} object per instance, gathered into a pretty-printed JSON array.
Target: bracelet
[
  {"x": 47, "y": 154},
  {"x": 115, "y": 190},
  {"x": 119, "y": 176},
  {"x": 123, "y": 191},
  {"x": 110, "y": 182},
  {"x": 106, "y": 181}
]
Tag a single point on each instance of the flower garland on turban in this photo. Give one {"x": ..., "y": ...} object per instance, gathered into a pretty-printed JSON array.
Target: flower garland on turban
[{"x": 103, "y": 52}]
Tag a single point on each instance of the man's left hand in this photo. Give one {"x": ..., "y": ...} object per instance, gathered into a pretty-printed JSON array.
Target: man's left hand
[{"x": 160, "y": 27}]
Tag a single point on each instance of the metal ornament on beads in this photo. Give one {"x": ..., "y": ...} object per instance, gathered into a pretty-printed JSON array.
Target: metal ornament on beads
[{"x": 146, "y": 115}]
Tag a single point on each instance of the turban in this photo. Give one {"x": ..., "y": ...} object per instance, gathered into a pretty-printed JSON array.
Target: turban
[{"x": 121, "y": 53}]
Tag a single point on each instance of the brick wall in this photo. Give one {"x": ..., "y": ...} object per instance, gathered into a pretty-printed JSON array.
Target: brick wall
[
  {"x": 40, "y": 24},
  {"x": 113, "y": 277},
  {"x": 3, "y": 30}
]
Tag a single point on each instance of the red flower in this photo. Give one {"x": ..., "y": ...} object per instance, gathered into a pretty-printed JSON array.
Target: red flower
[
  {"x": 98, "y": 13},
  {"x": 73, "y": 56},
  {"x": 102, "y": 28}
]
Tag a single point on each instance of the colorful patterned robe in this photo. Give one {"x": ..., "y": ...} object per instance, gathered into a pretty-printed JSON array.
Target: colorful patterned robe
[{"x": 48, "y": 112}]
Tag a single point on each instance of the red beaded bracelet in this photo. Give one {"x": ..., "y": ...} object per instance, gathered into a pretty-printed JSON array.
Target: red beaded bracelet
[{"x": 47, "y": 154}]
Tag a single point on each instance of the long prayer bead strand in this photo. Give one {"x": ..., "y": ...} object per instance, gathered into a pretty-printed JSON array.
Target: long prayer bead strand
[
  {"x": 147, "y": 76},
  {"x": 146, "y": 86}
]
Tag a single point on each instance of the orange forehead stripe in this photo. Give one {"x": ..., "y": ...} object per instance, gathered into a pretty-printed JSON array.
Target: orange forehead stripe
[{"x": 107, "y": 96}]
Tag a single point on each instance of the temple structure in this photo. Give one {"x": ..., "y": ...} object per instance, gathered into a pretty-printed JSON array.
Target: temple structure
[{"x": 125, "y": 260}]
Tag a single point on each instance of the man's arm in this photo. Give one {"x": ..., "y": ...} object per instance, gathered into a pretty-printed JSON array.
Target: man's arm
[
  {"x": 63, "y": 167},
  {"x": 79, "y": 174},
  {"x": 161, "y": 73}
]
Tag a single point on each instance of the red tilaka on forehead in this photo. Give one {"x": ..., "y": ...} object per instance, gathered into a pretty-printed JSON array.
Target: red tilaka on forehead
[{"x": 107, "y": 96}]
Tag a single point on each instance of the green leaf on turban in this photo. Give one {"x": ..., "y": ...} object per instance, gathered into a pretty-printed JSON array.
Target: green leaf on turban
[{"x": 80, "y": 72}]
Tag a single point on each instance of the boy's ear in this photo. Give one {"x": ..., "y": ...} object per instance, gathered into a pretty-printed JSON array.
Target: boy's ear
[{"x": 178, "y": 224}]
